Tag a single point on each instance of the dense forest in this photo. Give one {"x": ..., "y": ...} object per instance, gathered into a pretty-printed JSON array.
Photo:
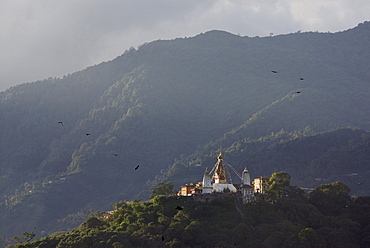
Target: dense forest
[
  {"x": 327, "y": 217},
  {"x": 296, "y": 102}
]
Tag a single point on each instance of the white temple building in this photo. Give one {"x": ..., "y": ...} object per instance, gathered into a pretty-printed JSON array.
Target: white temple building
[
  {"x": 215, "y": 184},
  {"x": 220, "y": 184}
]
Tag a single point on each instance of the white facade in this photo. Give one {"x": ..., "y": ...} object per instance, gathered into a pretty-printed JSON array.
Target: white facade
[
  {"x": 260, "y": 184},
  {"x": 224, "y": 187},
  {"x": 246, "y": 178},
  {"x": 207, "y": 183}
]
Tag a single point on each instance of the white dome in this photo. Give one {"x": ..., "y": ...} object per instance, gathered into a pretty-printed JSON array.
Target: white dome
[{"x": 220, "y": 187}]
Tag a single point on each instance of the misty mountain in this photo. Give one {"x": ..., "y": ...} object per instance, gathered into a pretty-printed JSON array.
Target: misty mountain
[{"x": 165, "y": 103}]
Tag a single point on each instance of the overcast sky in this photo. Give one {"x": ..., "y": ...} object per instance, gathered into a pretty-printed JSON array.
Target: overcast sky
[{"x": 51, "y": 38}]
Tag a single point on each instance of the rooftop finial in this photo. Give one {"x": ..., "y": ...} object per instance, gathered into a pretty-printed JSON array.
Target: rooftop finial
[{"x": 220, "y": 155}]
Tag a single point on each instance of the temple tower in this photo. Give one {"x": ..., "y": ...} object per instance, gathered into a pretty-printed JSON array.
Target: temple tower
[
  {"x": 221, "y": 185},
  {"x": 220, "y": 173},
  {"x": 207, "y": 183},
  {"x": 246, "y": 178}
]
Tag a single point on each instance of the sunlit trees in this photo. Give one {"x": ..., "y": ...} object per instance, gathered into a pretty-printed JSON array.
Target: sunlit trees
[
  {"x": 331, "y": 198},
  {"x": 278, "y": 185},
  {"x": 162, "y": 189},
  {"x": 168, "y": 221}
]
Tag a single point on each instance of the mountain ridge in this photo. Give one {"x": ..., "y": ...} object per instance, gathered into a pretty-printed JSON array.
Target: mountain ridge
[{"x": 166, "y": 100}]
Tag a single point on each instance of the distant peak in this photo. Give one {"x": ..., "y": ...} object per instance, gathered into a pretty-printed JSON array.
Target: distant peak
[{"x": 216, "y": 33}]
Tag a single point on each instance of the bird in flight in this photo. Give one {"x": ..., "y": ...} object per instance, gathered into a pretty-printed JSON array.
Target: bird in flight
[
  {"x": 114, "y": 154},
  {"x": 274, "y": 71},
  {"x": 87, "y": 134},
  {"x": 359, "y": 184},
  {"x": 301, "y": 79},
  {"x": 61, "y": 123},
  {"x": 137, "y": 167},
  {"x": 298, "y": 92},
  {"x": 179, "y": 208}
]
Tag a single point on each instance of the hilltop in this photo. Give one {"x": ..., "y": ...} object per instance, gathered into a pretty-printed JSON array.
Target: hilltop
[{"x": 327, "y": 217}]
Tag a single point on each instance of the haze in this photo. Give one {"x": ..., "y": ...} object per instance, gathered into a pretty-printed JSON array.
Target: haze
[{"x": 43, "y": 38}]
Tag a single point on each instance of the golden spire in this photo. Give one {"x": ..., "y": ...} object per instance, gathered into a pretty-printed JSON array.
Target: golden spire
[{"x": 220, "y": 173}]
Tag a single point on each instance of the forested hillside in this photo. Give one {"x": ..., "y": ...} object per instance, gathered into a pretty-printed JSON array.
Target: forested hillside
[
  {"x": 75, "y": 144},
  {"x": 327, "y": 217}
]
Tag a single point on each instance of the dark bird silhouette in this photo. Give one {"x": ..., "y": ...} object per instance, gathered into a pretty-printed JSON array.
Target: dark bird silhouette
[
  {"x": 87, "y": 134},
  {"x": 137, "y": 167},
  {"x": 179, "y": 208},
  {"x": 115, "y": 154},
  {"x": 298, "y": 92},
  {"x": 274, "y": 71},
  {"x": 162, "y": 238},
  {"x": 301, "y": 79},
  {"x": 61, "y": 123}
]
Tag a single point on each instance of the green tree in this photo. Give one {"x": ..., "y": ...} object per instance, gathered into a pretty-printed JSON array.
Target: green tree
[
  {"x": 162, "y": 189},
  {"x": 308, "y": 238},
  {"x": 331, "y": 198},
  {"x": 334, "y": 188},
  {"x": 92, "y": 223},
  {"x": 278, "y": 185},
  {"x": 120, "y": 204}
]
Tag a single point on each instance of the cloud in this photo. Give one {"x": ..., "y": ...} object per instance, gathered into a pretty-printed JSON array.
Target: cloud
[
  {"x": 329, "y": 15},
  {"x": 44, "y": 38}
]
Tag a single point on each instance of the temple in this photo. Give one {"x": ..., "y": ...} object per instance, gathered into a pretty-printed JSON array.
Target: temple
[{"x": 215, "y": 184}]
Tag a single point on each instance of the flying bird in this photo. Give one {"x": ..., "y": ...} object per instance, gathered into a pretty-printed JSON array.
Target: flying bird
[
  {"x": 137, "y": 167},
  {"x": 359, "y": 184},
  {"x": 61, "y": 123},
  {"x": 301, "y": 79},
  {"x": 114, "y": 154},
  {"x": 179, "y": 208},
  {"x": 87, "y": 134},
  {"x": 298, "y": 92},
  {"x": 274, "y": 71}
]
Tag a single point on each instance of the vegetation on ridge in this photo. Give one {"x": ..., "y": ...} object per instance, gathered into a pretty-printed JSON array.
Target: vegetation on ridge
[{"x": 327, "y": 217}]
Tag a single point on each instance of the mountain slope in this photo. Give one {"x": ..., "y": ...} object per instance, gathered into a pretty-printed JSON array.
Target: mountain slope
[
  {"x": 311, "y": 159},
  {"x": 167, "y": 98}
]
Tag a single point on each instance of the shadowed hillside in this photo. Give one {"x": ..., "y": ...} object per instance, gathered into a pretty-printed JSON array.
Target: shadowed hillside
[{"x": 153, "y": 106}]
